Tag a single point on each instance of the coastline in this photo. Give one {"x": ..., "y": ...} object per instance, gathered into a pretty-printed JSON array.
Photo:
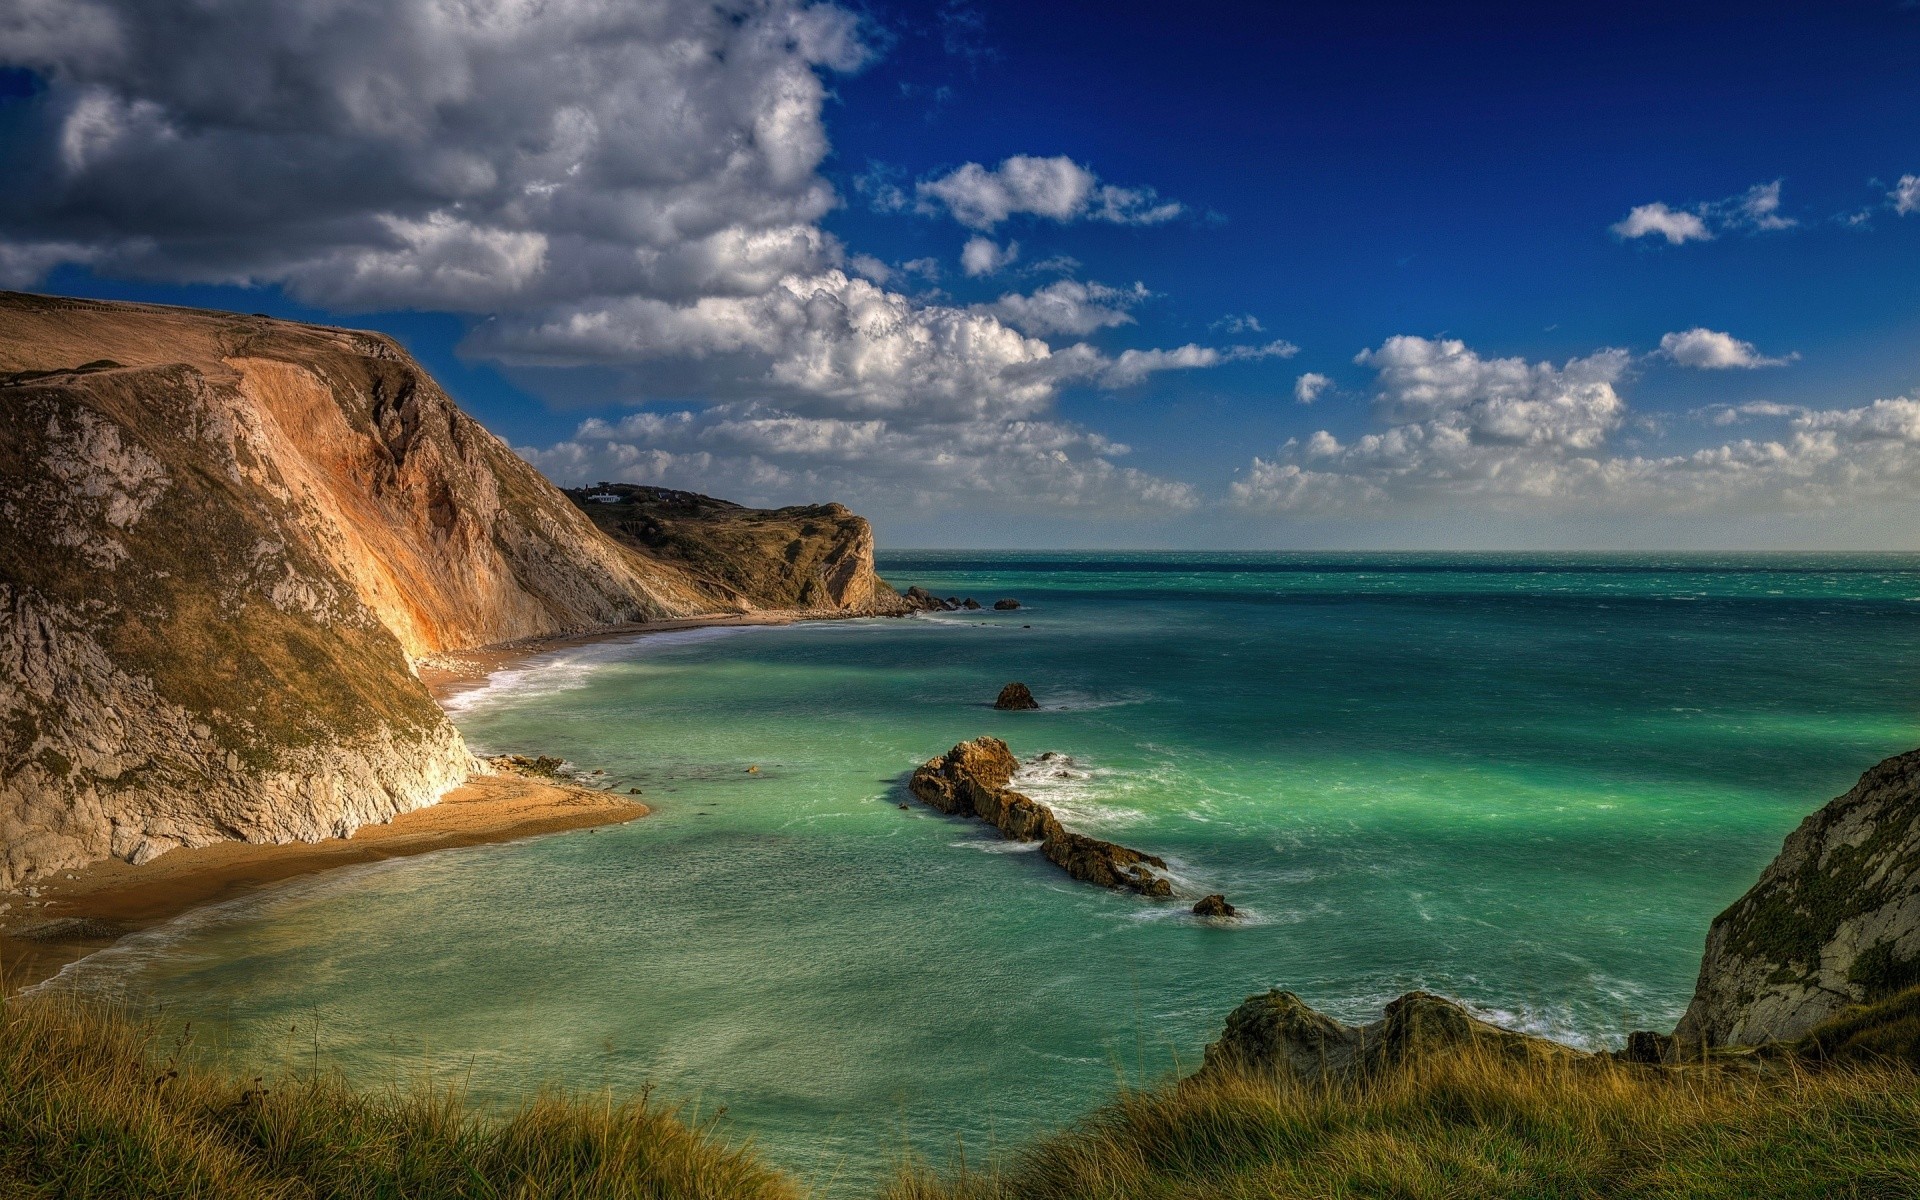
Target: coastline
[
  {"x": 90, "y": 908},
  {"x": 448, "y": 674}
]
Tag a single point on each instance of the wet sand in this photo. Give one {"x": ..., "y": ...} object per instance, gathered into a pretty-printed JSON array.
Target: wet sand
[{"x": 88, "y": 908}]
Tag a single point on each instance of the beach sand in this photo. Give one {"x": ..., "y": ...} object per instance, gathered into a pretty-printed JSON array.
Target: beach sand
[{"x": 88, "y": 908}]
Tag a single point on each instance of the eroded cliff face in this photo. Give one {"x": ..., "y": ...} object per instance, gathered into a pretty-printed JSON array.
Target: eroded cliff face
[
  {"x": 224, "y": 540},
  {"x": 1834, "y": 920},
  {"x": 814, "y": 557}
]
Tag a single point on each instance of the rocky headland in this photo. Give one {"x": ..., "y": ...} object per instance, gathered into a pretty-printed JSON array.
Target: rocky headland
[
  {"x": 971, "y": 780},
  {"x": 226, "y": 542}
]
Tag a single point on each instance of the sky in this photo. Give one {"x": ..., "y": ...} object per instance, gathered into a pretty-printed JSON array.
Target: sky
[{"x": 1227, "y": 276}]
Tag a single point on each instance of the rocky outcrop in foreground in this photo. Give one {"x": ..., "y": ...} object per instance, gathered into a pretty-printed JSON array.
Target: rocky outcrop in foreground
[
  {"x": 1833, "y": 922},
  {"x": 1279, "y": 1034},
  {"x": 971, "y": 780},
  {"x": 224, "y": 542}
]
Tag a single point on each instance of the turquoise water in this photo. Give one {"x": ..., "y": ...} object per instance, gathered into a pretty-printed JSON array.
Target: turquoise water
[{"x": 1526, "y": 782}]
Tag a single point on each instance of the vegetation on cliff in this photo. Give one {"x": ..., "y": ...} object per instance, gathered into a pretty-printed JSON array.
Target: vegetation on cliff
[{"x": 94, "y": 1106}]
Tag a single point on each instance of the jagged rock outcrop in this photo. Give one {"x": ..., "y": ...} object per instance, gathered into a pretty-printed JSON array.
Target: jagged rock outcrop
[
  {"x": 815, "y": 557},
  {"x": 971, "y": 780},
  {"x": 1015, "y": 697},
  {"x": 1277, "y": 1033},
  {"x": 1214, "y": 905},
  {"x": 224, "y": 540},
  {"x": 1834, "y": 920}
]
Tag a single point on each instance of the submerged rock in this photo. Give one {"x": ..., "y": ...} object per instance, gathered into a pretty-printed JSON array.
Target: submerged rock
[
  {"x": 1007, "y": 605},
  {"x": 1277, "y": 1033},
  {"x": 1214, "y": 905},
  {"x": 971, "y": 780},
  {"x": 1015, "y": 698}
]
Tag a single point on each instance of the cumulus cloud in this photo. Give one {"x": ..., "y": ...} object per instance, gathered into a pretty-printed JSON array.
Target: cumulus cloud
[
  {"x": 1068, "y": 306},
  {"x": 760, "y": 453},
  {"x": 1057, "y": 188},
  {"x": 1657, "y": 219},
  {"x": 629, "y": 186},
  {"x": 1310, "y": 386},
  {"x": 984, "y": 256},
  {"x": 1710, "y": 350},
  {"x": 1755, "y": 210},
  {"x": 1459, "y": 430},
  {"x": 1906, "y": 195}
]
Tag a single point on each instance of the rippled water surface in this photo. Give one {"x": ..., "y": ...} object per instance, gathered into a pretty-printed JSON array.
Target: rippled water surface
[{"x": 1527, "y": 782}]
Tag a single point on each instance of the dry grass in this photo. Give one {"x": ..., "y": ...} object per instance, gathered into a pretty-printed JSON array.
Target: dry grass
[
  {"x": 1470, "y": 1126},
  {"x": 92, "y": 1107}
]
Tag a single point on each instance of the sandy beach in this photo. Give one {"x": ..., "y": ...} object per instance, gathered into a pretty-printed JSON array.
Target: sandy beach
[{"x": 87, "y": 909}]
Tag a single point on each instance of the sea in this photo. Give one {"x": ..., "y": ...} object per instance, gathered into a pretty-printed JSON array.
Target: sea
[{"x": 1525, "y": 781}]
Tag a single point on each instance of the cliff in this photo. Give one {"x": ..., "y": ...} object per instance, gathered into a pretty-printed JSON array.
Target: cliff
[
  {"x": 1834, "y": 920},
  {"x": 223, "y": 542},
  {"x": 816, "y": 557}
]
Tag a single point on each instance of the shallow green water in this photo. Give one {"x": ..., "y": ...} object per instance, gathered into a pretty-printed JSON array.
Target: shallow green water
[{"x": 1527, "y": 782}]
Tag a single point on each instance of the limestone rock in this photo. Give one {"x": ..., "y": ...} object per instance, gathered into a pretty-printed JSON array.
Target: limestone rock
[
  {"x": 1833, "y": 921},
  {"x": 1015, "y": 698},
  {"x": 971, "y": 780},
  {"x": 225, "y": 542},
  {"x": 1277, "y": 1033},
  {"x": 816, "y": 557},
  {"x": 919, "y": 599},
  {"x": 1214, "y": 905}
]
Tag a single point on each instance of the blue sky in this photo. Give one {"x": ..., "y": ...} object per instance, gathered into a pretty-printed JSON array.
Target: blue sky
[{"x": 1629, "y": 275}]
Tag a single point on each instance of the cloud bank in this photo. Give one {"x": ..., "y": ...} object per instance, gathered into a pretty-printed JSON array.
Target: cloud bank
[
  {"x": 1463, "y": 432},
  {"x": 628, "y": 186}
]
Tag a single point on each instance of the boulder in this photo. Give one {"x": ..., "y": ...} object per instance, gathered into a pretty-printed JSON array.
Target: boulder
[
  {"x": 1279, "y": 1034},
  {"x": 1007, "y": 605},
  {"x": 1015, "y": 698},
  {"x": 970, "y": 604},
  {"x": 1214, "y": 905},
  {"x": 919, "y": 599}
]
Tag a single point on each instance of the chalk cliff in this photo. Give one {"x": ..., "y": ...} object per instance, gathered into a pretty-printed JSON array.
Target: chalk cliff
[
  {"x": 1834, "y": 921},
  {"x": 224, "y": 540}
]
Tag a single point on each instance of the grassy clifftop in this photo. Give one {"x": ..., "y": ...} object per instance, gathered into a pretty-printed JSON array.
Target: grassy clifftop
[{"x": 92, "y": 1106}]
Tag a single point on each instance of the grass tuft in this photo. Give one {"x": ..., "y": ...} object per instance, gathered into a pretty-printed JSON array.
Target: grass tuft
[{"x": 93, "y": 1106}]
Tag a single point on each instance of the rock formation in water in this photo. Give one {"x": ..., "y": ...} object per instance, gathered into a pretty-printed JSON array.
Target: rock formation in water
[
  {"x": 1214, "y": 905},
  {"x": 225, "y": 540},
  {"x": 1007, "y": 605},
  {"x": 1277, "y": 1033},
  {"x": 1833, "y": 922},
  {"x": 1015, "y": 697},
  {"x": 971, "y": 780}
]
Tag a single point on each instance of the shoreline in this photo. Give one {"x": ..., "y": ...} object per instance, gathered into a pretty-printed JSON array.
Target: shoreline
[
  {"x": 90, "y": 908},
  {"x": 455, "y": 671},
  {"x": 79, "y": 911}
]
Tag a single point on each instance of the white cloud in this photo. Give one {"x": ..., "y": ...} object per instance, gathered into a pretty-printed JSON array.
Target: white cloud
[
  {"x": 1755, "y": 210},
  {"x": 1657, "y": 218},
  {"x": 1465, "y": 433},
  {"x": 1132, "y": 366},
  {"x": 762, "y": 454},
  {"x": 1057, "y": 188},
  {"x": 984, "y": 256},
  {"x": 1906, "y": 195},
  {"x": 630, "y": 186},
  {"x": 1068, "y": 306},
  {"x": 1309, "y": 387},
  {"x": 1236, "y": 324},
  {"x": 1710, "y": 350}
]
